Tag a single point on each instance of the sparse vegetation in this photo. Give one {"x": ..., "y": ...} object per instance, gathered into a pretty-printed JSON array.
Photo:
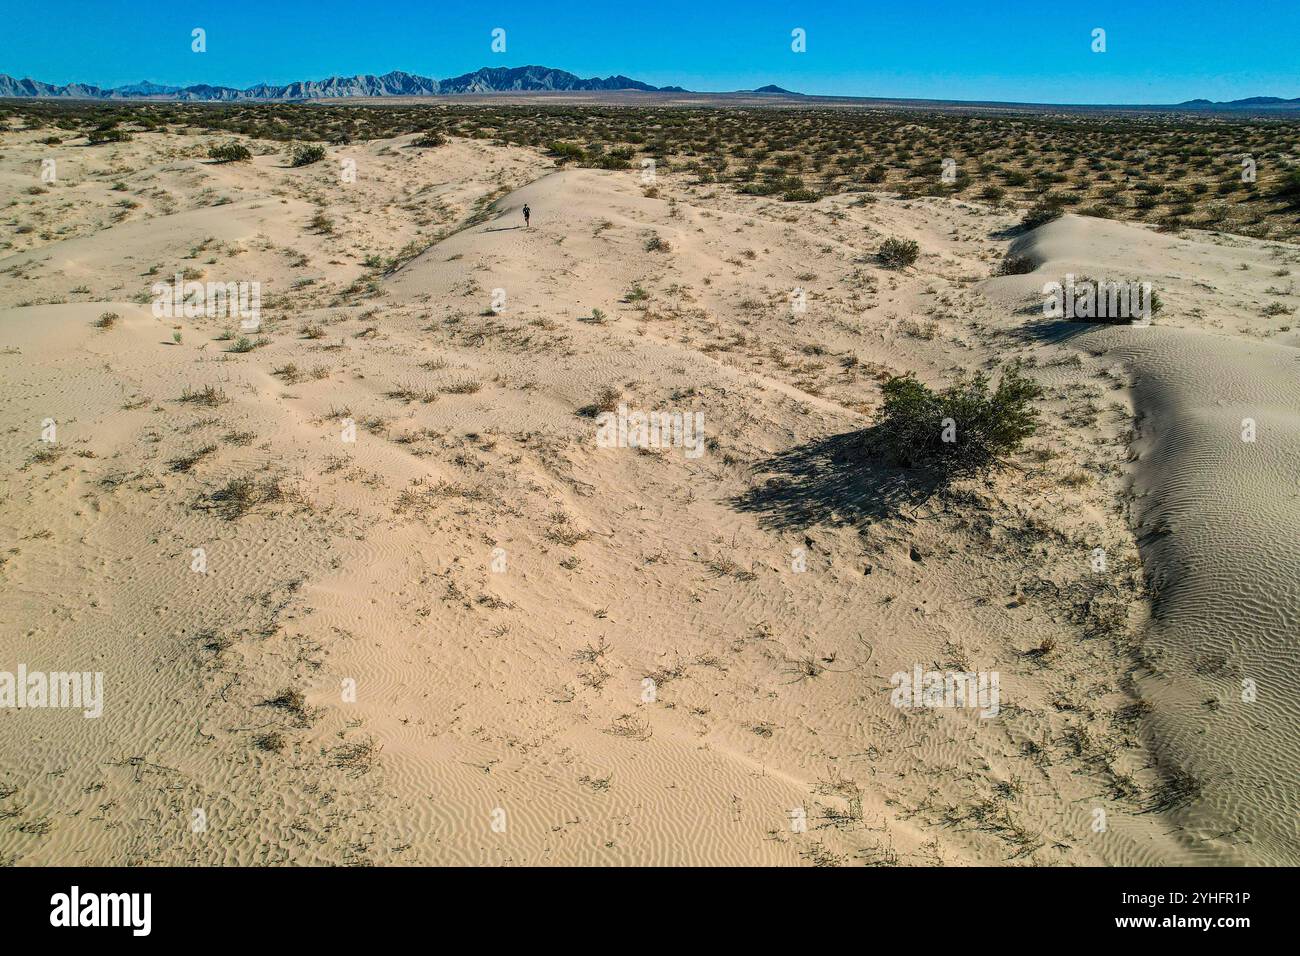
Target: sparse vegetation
[
  {"x": 1047, "y": 161},
  {"x": 240, "y": 496},
  {"x": 607, "y": 400},
  {"x": 419, "y": 511}
]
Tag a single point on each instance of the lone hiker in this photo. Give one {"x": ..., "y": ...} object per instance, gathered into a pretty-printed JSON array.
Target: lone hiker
[{"x": 527, "y": 211}]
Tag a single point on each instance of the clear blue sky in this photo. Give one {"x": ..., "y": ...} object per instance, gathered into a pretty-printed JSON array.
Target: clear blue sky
[{"x": 1158, "y": 51}]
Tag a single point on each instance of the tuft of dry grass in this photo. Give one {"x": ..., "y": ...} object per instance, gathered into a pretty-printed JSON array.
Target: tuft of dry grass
[
  {"x": 241, "y": 496},
  {"x": 185, "y": 462},
  {"x": 209, "y": 395},
  {"x": 464, "y": 386}
]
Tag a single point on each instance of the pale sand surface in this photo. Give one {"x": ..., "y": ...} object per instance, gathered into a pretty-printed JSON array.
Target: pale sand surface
[
  {"x": 522, "y": 691},
  {"x": 1216, "y": 517}
]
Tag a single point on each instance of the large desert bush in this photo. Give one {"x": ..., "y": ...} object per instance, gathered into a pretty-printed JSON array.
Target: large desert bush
[
  {"x": 963, "y": 430},
  {"x": 567, "y": 152},
  {"x": 800, "y": 194},
  {"x": 1290, "y": 186},
  {"x": 306, "y": 155},
  {"x": 97, "y": 136},
  {"x": 1041, "y": 214},
  {"x": 229, "y": 153},
  {"x": 899, "y": 253},
  {"x": 1014, "y": 265}
]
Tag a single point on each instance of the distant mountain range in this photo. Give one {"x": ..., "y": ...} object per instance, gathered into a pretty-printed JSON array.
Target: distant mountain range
[
  {"x": 523, "y": 79},
  {"x": 1249, "y": 103},
  {"x": 397, "y": 83}
]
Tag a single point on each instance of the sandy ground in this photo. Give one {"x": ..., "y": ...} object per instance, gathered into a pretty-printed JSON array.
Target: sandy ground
[{"x": 473, "y": 635}]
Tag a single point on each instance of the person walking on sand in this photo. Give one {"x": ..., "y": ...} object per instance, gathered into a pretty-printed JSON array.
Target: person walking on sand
[{"x": 527, "y": 211}]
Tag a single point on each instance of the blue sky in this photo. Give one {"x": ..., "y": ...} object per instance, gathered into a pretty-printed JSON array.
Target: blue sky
[{"x": 1158, "y": 51}]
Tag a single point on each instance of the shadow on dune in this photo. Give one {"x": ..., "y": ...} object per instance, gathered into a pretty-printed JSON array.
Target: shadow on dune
[
  {"x": 504, "y": 229},
  {"x": 839, "y": 480},
  {"x": 1008, "y": 232},
  {"x": 1053, "y": 331}
]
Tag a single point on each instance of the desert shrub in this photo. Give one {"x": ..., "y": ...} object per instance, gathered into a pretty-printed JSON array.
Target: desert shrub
[
  {"x": 306, "y": 155},
  {"x": 963, "y": 430},
  {"x": 899, "y": 253},
  {"x": 656, "y": 244},
  {"x": 229, "y": 153},
  {"x": 1016, "y": 266},
  {"x": 429, "y": 138},
  {"x": 1290, "y": 186},
  {"x": 97, "y": 136},
  {"x": 1108, "y": 305},
  {"x": 802, "y": 194},
  {"x": 607, "y": 400},
  {"x": 567, "y": 152},
  {"x": 1040, "y": 214}
]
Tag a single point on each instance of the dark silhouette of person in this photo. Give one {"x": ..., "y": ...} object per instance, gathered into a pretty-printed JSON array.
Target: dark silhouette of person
[{"x": 527, "y": 211}]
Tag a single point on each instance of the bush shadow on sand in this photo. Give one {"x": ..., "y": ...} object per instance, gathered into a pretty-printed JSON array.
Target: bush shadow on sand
[
  {"x": 1055, "y": 331},
  {"x": 842, "y": 479}
]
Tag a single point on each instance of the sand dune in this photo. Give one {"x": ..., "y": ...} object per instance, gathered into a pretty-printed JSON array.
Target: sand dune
[
  {"x": 498, "y": 588},
  {"x": 1216, "y": 508}
]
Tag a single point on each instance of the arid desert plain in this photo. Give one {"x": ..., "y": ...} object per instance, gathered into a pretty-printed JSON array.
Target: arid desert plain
[{"x": 376, "y": 578}]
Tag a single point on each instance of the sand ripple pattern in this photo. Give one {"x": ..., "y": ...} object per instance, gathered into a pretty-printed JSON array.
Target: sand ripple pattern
[{"x": 1218, "y": 520}]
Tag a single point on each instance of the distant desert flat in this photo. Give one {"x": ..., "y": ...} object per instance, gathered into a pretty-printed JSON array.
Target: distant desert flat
[{"x": 366, "y": 589}]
